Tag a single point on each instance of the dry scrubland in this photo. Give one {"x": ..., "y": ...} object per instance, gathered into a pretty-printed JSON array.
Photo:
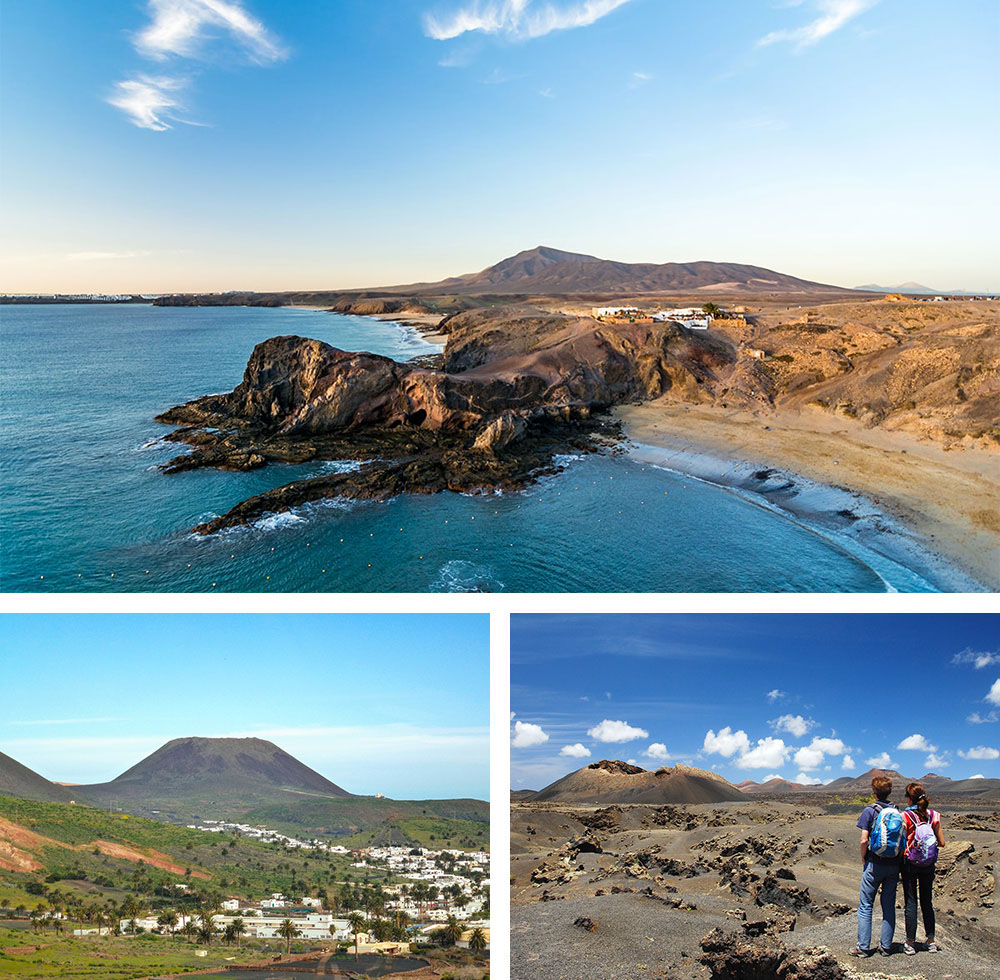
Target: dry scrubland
[{"x": 634, "y": 891}]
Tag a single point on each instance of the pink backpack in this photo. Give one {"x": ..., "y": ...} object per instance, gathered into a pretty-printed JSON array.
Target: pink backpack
[{"x": 923, "y": 852}]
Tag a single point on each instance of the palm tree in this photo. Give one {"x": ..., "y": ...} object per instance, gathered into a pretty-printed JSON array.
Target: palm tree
[
  {"x": 129, "y": 910},
  {"x": 452, "y": 932},
  {"x": 100, "y": 919},
  {"x": 206, "y": 916},
  {"x": 356, "y": 921},
  {"x": 189, "y": 928},
  {"x": 477, "y": 941},
  {"x": 288, "y": 931},
  {"x": 239, "y": 927},
  {"x": 167, "y": 921}
]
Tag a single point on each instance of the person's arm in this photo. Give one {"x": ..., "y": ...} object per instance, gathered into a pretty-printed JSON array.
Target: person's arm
[
  {"x": 864, "y": 845},
  {"x": 936, "y": 827}
]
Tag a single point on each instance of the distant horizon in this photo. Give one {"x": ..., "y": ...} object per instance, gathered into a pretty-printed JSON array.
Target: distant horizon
[
  {"x": 155, "y": 146},
  {"x": 438, "y": 276}
]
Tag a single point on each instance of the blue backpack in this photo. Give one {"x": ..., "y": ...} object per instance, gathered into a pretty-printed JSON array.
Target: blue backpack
[{"x": 887, "y": 837}]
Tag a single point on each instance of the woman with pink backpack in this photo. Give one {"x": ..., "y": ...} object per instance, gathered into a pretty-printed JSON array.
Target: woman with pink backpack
[{"x": 923, "y": 842}]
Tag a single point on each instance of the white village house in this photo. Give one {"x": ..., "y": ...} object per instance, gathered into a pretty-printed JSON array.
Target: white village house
[{"x": 691, "y": 318}]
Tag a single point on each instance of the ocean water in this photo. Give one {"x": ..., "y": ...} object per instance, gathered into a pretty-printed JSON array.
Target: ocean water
[{"x": 84, "y": 507}]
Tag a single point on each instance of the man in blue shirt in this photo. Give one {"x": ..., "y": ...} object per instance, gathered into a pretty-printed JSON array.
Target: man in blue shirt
[{"x": 879, "y": 872}]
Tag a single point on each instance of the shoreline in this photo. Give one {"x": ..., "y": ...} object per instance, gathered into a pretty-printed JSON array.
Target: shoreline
[{"x": 931, "y": 510}]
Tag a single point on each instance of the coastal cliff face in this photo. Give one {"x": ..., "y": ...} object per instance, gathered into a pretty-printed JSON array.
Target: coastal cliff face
[{"x": 518, "y": 386}]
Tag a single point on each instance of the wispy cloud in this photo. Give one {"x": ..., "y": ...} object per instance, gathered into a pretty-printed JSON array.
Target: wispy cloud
[
  {"x": 640, "y": 78},
  {"x": 517, "y": 19},
  {"x": 978, "y": 658},
  {"x": 832, "y": 15},
  {"x": 148, "y": 101},
  {"x": 185, "y": 27},
  {"x": 190, "y": 29}
]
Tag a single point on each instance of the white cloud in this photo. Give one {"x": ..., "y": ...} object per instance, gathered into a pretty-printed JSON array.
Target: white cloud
[
  {"x": 148, "y": 101},
  {"x": 935, "y": 761},
  {"x": 518, "y": 19},
  {"x": 775, "y": 695},
  {"x": 727, "y": 743},
  {"x": 980, "y": 752},
  {"x": 657, "y": 751},
  {"x": 640, "y": 78},
  {"x": 576, "y": 751},
  {"x": 616, "y": 731},
  {"x": 181, "y": 27},
  {"x": 774, "y": 775},
  {"x": 881, "y": 761},
  {"x": 994, "y": 696},
  {"x": 807, "y": 780},
  {"x": 848, "y": 762},
  {"x": 978, "y": 775},
  {"x": 833, "y": 15},
  {"x": 793, "y": 724},
  {"x": 811, "y": 756},
  {"x": 768, "y": 753},
  {"x": 977, "y": 658},
  {"x": 977, "y": 719},
  {"x": 526, "y": 735},
  {"x": 917, "y": 743}
]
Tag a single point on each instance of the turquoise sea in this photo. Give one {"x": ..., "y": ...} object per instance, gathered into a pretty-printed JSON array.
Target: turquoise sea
[{"x": 84, "y": 507}]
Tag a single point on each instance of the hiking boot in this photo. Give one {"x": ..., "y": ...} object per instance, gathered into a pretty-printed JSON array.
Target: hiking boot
[
  {"x": 908, "y": 948},
  {"x": 862, "y": 953},
  {"x": 932, "y": 947}
]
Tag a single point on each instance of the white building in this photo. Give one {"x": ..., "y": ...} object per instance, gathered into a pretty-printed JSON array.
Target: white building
[
  {"x": 691, "y": 318},
  {"x": 616, "y": 311}
]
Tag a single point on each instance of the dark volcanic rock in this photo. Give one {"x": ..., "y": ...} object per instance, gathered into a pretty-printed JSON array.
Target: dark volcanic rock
[
  {"x": 519, "y": 386},
  {"x": 733, "y": 957}
]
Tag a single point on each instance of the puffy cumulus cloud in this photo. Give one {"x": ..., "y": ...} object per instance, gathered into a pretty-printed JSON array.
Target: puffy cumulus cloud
[
  {"x": 832, "y": 16},
  {"x": 775, "y": 695},
  {"x": 811, "y": 756},
  {"x": 917, "y": 743},
  {"x": 773, "y": 775},
  {"x": 526, "y": 735},
  {"x": 980, "y": 752},
  {"x": 978, "y": 658},
  {"x": 727, "y": 743},
  {"x": 994, "y": 693},
  {"x": 657, "y": 751},
  {"x": 793, "y": 724},
  {"x": 517, "y": 19},
  {"x": 616, "y": 731},
  {"x": 978, "y": 775},
  {"x": 768, "y": 753},
  {"x": 881, "y": 761},
  {"x": 183, "y": 27},
  {"x": 847, "y": 762},
  {"x": 807, "y": 780},
  {"x": 938, "y": 760},
  {"x": 575, "y": 751}
]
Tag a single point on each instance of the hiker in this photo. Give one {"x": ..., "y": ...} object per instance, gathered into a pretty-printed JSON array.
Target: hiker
[
  {"x": 882, "y": 842},
  {"x": 923, "y": 842}
]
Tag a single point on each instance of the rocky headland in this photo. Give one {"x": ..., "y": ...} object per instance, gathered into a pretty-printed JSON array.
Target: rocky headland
[{"x": 514, "y": 387}]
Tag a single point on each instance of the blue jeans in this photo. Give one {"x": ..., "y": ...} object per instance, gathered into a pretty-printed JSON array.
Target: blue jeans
[{"x": 874, "y": 876}]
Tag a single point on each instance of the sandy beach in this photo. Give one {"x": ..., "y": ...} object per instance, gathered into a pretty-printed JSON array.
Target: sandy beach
[{"x": 947, "y": 497}]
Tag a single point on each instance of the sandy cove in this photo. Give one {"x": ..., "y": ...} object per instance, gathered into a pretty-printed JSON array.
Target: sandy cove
[{"x": 949, "y": 497}]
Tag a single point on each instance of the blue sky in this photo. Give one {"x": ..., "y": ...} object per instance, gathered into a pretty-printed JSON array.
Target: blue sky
[
  {"x": 221, "y": 144},
  {"x": 397, "y": 704},
  {"x": 807, "y": 697}
]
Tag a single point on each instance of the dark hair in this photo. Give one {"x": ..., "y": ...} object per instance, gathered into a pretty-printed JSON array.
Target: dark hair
[
  {"x": 915, "y": 793},
  {"x": 882, "y": 786}
]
